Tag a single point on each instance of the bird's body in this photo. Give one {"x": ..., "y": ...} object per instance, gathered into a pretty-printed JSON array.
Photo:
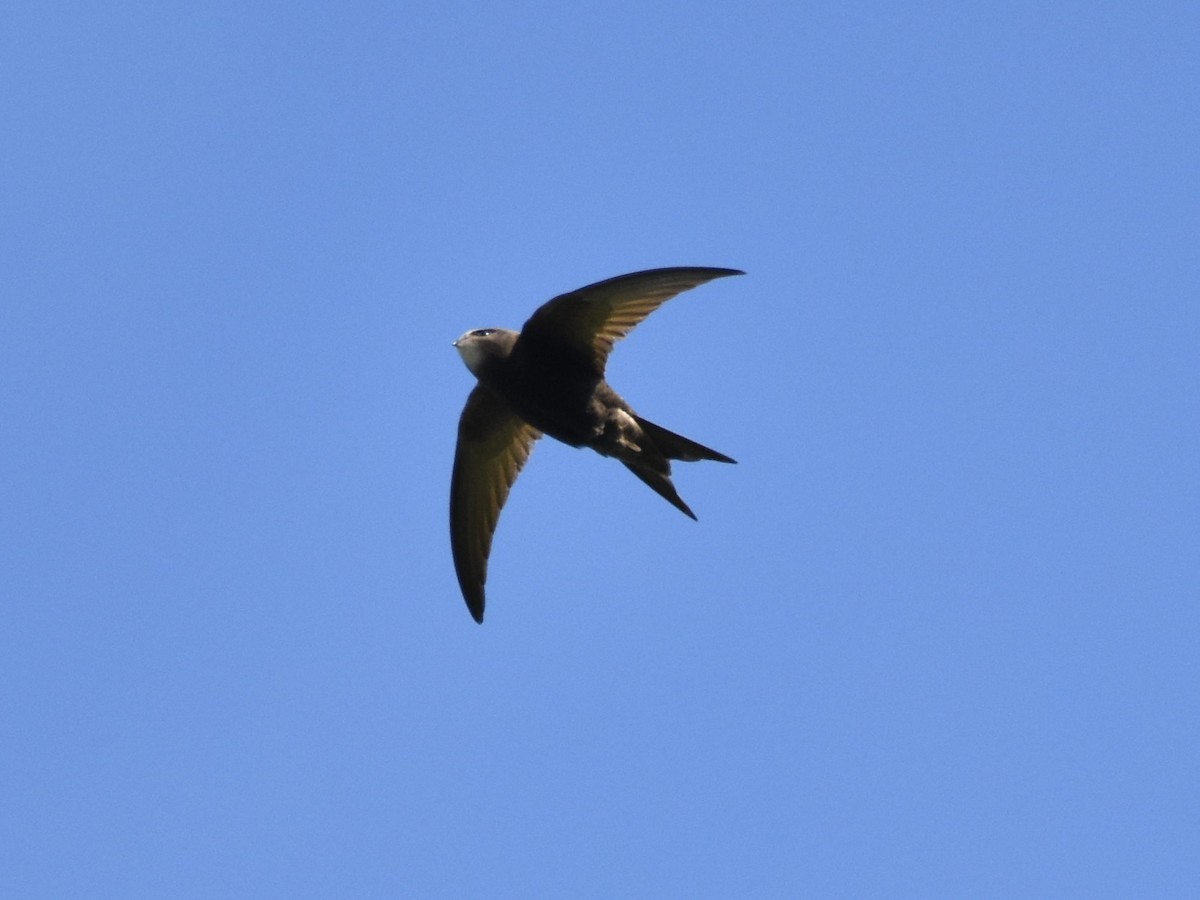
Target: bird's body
[{"x": 549, "y": 379}]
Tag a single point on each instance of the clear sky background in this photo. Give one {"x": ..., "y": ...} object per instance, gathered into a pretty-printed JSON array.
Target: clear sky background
[{"x": 937, "y": 634}]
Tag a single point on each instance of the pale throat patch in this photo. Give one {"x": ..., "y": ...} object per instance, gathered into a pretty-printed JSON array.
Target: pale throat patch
[{"x": 472, "y": 352}]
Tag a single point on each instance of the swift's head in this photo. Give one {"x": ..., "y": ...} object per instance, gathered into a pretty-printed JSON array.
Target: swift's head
[{"x": 483, "y": 344}]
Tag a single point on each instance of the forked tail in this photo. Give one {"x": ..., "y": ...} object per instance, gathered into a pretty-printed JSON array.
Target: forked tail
[{"x": 653, "y": 467}]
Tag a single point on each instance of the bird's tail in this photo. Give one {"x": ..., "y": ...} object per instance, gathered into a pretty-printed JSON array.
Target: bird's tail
[
  {"x": 661, "y": 485},
  {"x": 676, "y": 446}
]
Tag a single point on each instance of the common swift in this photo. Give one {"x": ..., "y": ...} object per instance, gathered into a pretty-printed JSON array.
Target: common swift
[{"x": 549, "y": 379}]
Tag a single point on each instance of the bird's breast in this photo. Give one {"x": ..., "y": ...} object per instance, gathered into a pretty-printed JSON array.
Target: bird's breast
[{"x": 565, "y": 408}]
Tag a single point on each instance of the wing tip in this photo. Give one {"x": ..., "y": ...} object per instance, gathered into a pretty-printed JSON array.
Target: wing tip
[
  {"x": 710, "y": 271},
  {"x": 713, "y": 271},
  {"x": 475, "y": 607}
]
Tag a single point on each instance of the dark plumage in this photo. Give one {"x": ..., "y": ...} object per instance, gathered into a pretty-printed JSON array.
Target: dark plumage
[{"x": 549, "y": 379}]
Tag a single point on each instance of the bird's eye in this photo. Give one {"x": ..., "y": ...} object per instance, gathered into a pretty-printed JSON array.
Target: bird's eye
[{"x": 483, "y": 332}]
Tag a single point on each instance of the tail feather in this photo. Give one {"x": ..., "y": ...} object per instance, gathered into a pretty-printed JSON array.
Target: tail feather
[
  {"x": 661, "y": 485},
  {"x": 676, "y": 446}
]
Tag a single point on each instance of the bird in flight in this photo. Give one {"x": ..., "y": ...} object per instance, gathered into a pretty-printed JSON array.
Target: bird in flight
[{"x": 549, "y": 379}]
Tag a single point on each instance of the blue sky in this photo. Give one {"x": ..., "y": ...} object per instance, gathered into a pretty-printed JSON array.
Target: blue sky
[{"x": 935, "y": 635}]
